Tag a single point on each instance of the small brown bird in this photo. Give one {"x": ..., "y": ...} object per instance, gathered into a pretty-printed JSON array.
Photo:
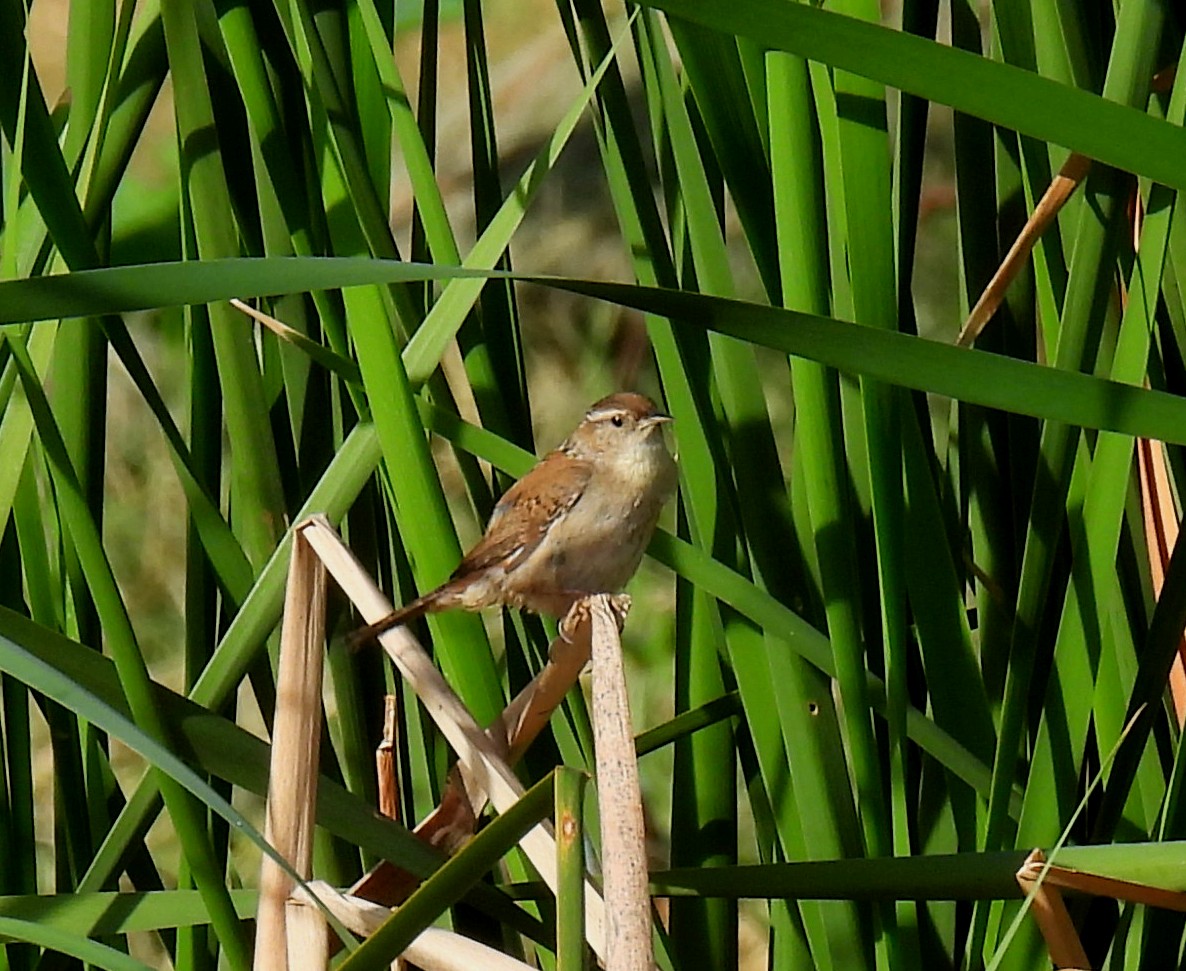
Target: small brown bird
[{"x": 575, "y": 525}]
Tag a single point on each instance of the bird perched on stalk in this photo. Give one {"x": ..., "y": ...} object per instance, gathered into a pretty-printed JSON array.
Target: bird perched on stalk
[{"x": 575, "y": 525}]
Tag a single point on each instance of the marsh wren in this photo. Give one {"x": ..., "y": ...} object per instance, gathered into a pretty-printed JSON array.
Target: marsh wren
[{"x": 575, "y": 525}]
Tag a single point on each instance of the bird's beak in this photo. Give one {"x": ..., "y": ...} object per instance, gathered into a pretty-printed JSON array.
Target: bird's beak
[{"x": 657, "y": 419}]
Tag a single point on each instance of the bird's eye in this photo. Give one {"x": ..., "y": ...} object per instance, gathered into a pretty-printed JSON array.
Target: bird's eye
[{"x": 618, "y": 421}]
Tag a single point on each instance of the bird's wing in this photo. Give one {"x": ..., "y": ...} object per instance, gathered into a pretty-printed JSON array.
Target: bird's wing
[{"x": 527, "y": 511}]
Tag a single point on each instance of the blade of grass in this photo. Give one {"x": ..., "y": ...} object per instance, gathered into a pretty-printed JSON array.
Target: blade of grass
[
  {"x": 451, "y": 881},
  {"x": 110, "y": 913},
  {"x": 257, "y": 505},
  {"x": 715, "y": 71},
  {"x": 92, "y": 952},
  {"x": 133, "y": 674},
  {"x": 1087, "y": 295},
  {"x": 424, "y": 350},
  {"x": 569, "y": 788},
  {"x": 798, "y": 191},
  {"x": 974, "y": 376},
  {"x": 960, "y": 876},
  {"x": 233, "y": 754},
  {"x": 1005, "y": 95}
]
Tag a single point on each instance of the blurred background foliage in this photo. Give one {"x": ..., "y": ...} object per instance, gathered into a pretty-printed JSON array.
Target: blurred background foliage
[{"x": 924, "y": 602}]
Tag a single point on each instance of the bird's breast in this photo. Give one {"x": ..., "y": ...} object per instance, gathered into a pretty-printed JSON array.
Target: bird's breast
[{"x": 597, "y": 545}]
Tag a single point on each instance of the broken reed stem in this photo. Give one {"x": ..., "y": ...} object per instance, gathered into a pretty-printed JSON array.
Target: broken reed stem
[
  {"x": 454, "y": 820},
  {"x": 623, "y": 835},
  {"x": 527, "y": 715},
  {"x": 435, "y": 949},
  {"x": 1161, "y": 534},
  {"x": 385, "y": 760},
  {"x": 474, "y": 749},
  {"x": 296, "y": 741},
  {"x": 1097, "y": 885},
  {"x": 1058, "y": 930},
  {"x": 306, "y": 936},
  {"x": 1073, "y": 171}
]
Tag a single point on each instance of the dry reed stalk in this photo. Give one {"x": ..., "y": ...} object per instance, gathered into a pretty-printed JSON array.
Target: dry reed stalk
[
  {"x": 480, "y": 757},
  {"x": 446, "y": 827},
  {"x": 1073, "y": 172},
  {"x": 306, "y": 936},
  {"x": 1066, "y": 950},
  {"x": 1161, "y": 534},
  {"x": 280, "y": 329},
  {"x": 385, "y": 760},
  {"x": 623, "y": 833},
  {"x": 296, "y": 741},
  {"x": 1096, "y": 885},
  {"x": 517, "y": 727},
  {"x": 433, "y": 950},
  {"x": 525, "y": 717},
  {"x": 452, "y": 363},
  {"x": 521, "y": 721}
]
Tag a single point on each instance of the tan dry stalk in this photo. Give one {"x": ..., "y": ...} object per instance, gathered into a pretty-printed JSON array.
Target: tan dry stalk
[
  {"x": 1161, "y": 535},
  {"x": 385, "y": 760},
  {"x": 1073, "y": 171},
  {"x": 525, "y": 717},
  {"x": 480, "y": 757},
  {"x": 1066, "y": 950},
  {"x": 453, "y": 821},
  {"x": 433, "y": 950},
  {"x": 623, "y": 833},
  {"x": 296, "y": 740},
  {"x": 282, "y": 330},
  {"x": 307, "y": 936},
  {"x": 1100, "y": 886}
]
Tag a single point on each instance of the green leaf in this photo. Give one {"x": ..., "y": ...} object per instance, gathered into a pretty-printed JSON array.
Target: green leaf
[{"x": 1001, "y": 93}]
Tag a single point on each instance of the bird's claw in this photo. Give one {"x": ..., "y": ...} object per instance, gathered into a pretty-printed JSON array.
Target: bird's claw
[
  {"x": 619, "y": 605},
  {"x": 577, "y": 614}
]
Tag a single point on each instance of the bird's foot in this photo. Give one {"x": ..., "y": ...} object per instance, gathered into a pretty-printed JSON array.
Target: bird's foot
[
  {"x": 620, "y": 603},
  {"x": 578, "y": 613}
]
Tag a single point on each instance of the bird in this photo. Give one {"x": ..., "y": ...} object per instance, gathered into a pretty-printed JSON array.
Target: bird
[{"x": 575, "y": 525}]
